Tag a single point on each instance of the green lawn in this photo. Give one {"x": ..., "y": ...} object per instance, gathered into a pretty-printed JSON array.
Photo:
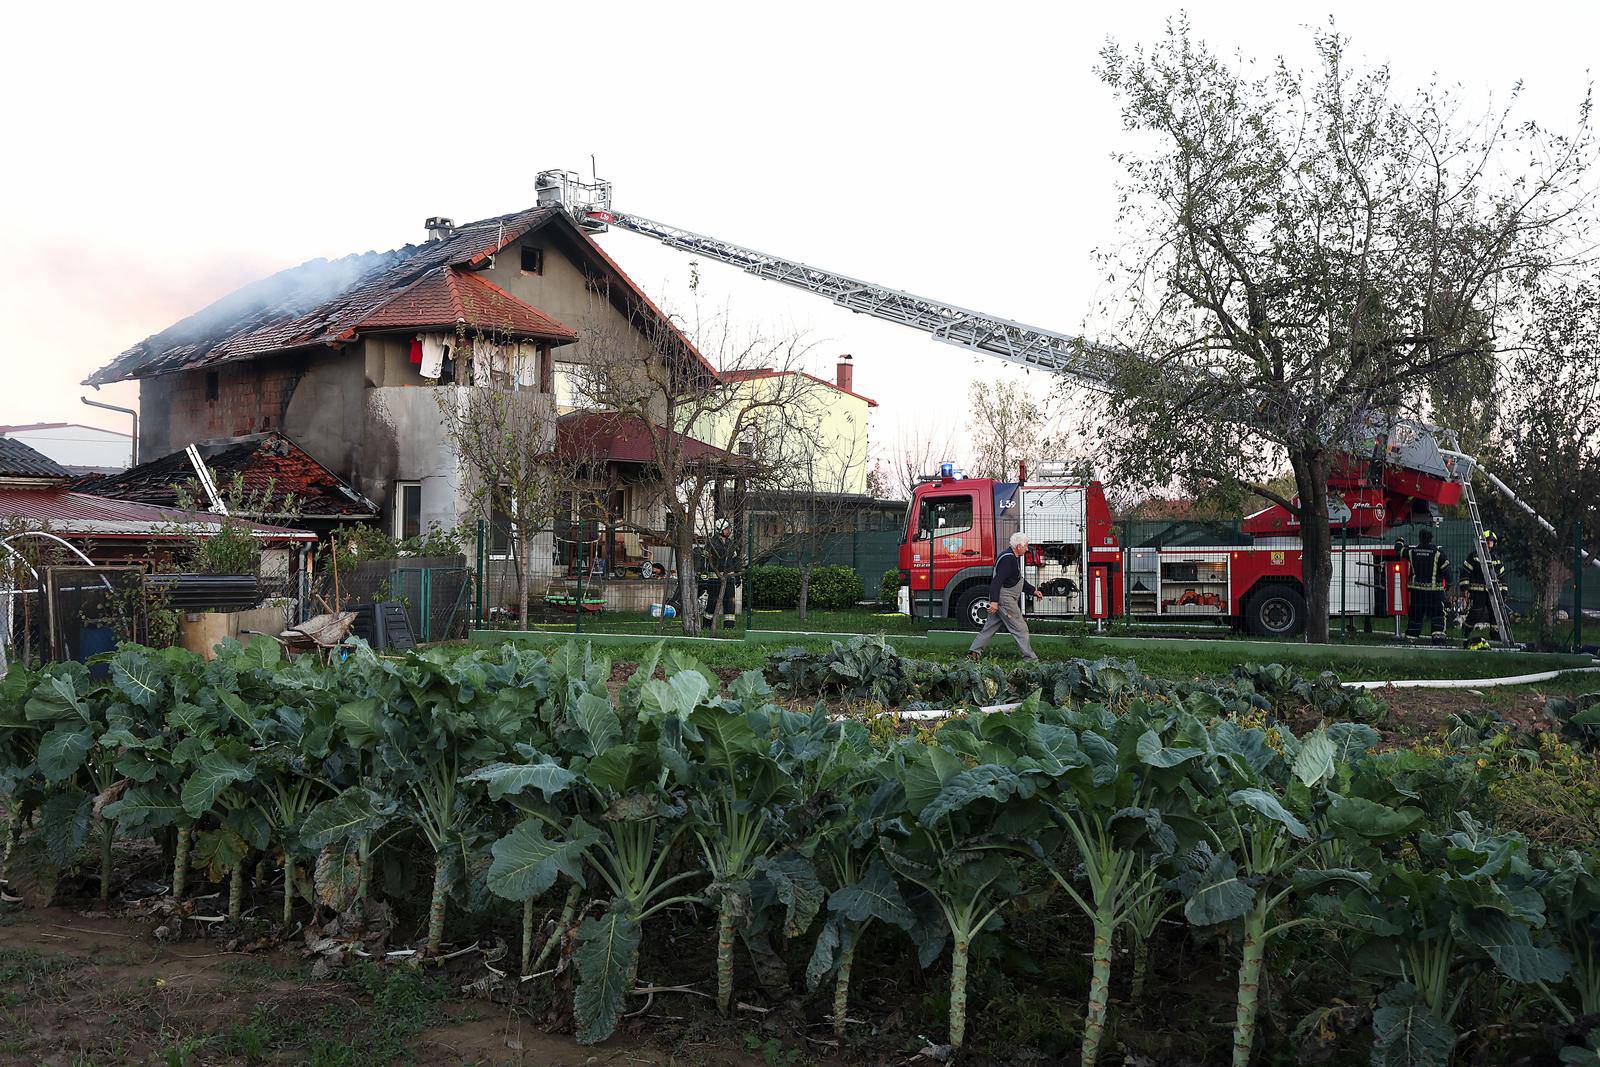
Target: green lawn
[{"x": 1165, "y": 658}]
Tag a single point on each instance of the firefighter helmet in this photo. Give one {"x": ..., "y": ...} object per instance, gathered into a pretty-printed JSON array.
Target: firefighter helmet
[{"x": 1489, "y": 537}]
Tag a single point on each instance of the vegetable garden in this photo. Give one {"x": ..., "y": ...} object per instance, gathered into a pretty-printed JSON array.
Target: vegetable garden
[{"x": 1367, "y": 901}]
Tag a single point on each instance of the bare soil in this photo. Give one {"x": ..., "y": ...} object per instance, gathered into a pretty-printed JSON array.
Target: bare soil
[{"x": 81, "y": 987}]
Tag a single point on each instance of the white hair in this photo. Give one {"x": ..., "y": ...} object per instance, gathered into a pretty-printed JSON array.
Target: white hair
[{"x": 1018, "y": 538}]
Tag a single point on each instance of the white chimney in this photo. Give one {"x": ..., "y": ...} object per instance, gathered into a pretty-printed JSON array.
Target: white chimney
[
  {"x": 845, "y": 376},
  {"x": 439, "y": 227}
]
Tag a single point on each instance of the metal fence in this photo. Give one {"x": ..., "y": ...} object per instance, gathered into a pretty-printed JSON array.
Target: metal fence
[{"x": 435, "y": 591}]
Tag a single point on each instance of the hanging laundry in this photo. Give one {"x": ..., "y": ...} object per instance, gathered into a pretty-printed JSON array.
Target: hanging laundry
[
  {"x": 488, "y": 362},
  {"x": 416, "y": 351},
  {"x": 527, "y": 365},
  {"x": 435, "y": 349}
]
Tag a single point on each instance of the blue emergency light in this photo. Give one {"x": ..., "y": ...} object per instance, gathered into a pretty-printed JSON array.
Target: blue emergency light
[{"x": 947, "y": 470}]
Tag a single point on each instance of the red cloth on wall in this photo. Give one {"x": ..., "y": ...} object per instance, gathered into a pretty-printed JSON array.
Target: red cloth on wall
[{"x": 416, "y": 351}]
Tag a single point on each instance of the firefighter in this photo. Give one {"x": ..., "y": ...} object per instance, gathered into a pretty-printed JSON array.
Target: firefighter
[
  {"x": 723, "y": 556},
  {"x": 1480, "y": 577},
  {"x": 1430, "y": 576}
]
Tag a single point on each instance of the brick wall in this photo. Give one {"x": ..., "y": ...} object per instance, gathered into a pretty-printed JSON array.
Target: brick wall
[{"x": 249, "y": 398}]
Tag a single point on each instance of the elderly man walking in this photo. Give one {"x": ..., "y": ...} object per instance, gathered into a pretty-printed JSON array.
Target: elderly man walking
[{"x": 1006, "y": 589}]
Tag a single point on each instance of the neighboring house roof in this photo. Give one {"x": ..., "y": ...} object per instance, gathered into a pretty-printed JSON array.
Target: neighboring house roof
[
  {"x": 451, "y": 297},
  {"x": 323, "y": 302},
  {"x": 71, "y": 514},
  {"x": 260, "y": 460},
  {"x": 770, "y": 372},
  {"x": 29, "y": 426},
  {"x": 616, "y": 438},
  {"x": 18, "y": 460}
]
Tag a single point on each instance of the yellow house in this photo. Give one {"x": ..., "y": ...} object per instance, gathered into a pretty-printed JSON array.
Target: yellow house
[{"x": 819, "y": 433}]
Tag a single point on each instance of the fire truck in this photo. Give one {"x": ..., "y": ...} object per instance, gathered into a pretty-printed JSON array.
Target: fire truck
[{"x": 1396, "y": 471}]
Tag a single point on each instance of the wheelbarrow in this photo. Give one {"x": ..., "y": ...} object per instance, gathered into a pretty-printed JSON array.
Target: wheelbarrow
[{"x": 320, "y": 633}]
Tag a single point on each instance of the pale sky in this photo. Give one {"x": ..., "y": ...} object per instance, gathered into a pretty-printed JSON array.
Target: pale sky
[{"x": 160, "y": 155}]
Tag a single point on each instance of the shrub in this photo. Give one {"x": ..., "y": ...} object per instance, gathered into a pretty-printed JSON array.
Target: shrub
[
  {"x": 835, "y": 587},
  {"x": 889, "y": 587},
  {"x": 775, "y": 586}
]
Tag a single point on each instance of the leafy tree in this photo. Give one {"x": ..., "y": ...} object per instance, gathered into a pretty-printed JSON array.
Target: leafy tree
[
  {"x": 1006, "y": 426},
  {"x": 1304, "y": 251},
  {"x": 1548, "y": 444}
]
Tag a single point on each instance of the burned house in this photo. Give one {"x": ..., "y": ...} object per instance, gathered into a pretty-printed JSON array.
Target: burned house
[{"x": 348, "y": 361}]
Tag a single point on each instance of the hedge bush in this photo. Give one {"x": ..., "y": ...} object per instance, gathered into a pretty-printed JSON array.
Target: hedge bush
[
  {"x": 889, "y": 587},
  {"x": 778, "y": 587}
]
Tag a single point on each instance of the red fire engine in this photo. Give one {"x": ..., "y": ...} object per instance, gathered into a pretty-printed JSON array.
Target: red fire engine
[{"x": 956, "y": 526}]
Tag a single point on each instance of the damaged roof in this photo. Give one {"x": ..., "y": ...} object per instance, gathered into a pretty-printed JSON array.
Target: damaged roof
[
  {"x": 329, "y": 302},
  {"x": 451, "y": 296},
  {"x": 18, "y": 460},
  {"x": 74, "y": 515},
  {"x": 260, "y": 461}
]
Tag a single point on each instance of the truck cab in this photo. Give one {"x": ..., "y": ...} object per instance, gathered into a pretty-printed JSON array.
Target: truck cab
[{"x": 957, "y": 526}]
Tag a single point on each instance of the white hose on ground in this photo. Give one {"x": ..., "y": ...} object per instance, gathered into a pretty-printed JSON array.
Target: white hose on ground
[
  {"x": 925, "y": 714},
  {"x": 1471, "y": 683}
]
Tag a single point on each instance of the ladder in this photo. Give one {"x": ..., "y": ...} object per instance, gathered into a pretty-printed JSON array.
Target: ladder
[{"x": 1491, "y": 578}]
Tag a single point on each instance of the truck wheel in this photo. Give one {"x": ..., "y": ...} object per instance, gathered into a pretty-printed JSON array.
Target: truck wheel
[
  {"x": 1275, "y": 611},
  {"x": 972, "y": 610}
]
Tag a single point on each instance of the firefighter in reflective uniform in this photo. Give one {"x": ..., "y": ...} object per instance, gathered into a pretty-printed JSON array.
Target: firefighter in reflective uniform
[
  {"x": 1480, "y": 576},
  {"x": 1430, "y": 576}
]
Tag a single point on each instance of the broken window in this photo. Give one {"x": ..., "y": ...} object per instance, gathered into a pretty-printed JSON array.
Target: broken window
[
  {"x": 532, "y": 260},
  {"x": 407, "y": 510}
]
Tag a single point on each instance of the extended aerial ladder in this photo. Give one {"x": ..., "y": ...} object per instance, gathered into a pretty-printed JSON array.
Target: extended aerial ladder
[{"x": 1416, "y": 459}]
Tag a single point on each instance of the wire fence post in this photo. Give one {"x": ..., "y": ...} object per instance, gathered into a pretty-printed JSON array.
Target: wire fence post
[
  {"x": 1577, "y": 585},
  {"x": 477, "y": 592},
  {"x": 749, "y": 585},
  {"x": 577, "y": 604}
]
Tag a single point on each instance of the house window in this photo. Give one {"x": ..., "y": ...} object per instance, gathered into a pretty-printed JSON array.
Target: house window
[
  {"x": 213, "y": 385},
  {"x": 500, "y": 539},
  {"x": 567, "y": 384},
  {"x": 407, "y": 510},
  {"x": 532, "y": 260}
]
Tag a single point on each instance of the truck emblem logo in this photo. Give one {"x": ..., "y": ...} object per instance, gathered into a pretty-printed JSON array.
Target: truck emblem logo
[
  {"x": 952, "y": 543},
  {"x": 1277, "y": 559}
]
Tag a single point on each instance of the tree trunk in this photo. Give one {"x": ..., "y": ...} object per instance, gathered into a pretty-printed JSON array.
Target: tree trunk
[
  {"x": 520, "y": 555},
  {"x": 805, "y": 588},
  {"x": 688, "y": 586},
  {"x": 1316, "y": 540},
  {"x": 1548, "y": 584}
]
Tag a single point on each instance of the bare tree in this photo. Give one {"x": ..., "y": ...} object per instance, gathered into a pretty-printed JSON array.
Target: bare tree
[
  {"x": 1303, "y": 251},
  {"x": 812, "y": 500},
  {"x": 503, "y": 434},
  {"x": 1006, "y": 426},
  {"x": 918, "y": 450},
  {"x": 725, "y": 388}
]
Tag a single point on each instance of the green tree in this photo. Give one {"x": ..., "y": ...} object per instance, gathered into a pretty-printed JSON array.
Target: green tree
[{"x": 1303, "y": 250}]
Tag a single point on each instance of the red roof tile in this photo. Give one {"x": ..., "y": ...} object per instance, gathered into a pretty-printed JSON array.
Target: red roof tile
[
  {"x": 769, "y": 372},
  {"x": 451, "y": 297},
  {"x": 616, "y": 438}
]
